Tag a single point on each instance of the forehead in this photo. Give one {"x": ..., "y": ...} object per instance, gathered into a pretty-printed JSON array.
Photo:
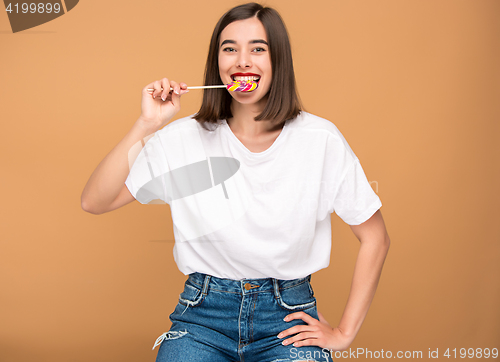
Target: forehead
[{"x": 242, "y": 31}]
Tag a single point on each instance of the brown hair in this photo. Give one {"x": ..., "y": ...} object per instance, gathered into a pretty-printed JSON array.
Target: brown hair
[{"x": 283, "y": 101}]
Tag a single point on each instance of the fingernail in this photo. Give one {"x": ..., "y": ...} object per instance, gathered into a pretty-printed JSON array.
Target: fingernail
[
  {"x": 163, "y": 98},
  {"x": 280, "y": 335},
  {"x": 176, "y": 91},
  {"x": 284, "y": 343},
  {"x": 285, "y": 319}
]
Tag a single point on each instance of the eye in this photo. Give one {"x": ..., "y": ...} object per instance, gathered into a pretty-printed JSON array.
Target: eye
[
  {"x": 259, "y": 50},
  {"x": 228, "y": 49}
]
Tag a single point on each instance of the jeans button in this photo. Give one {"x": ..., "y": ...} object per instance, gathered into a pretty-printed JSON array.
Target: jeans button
[{"x": 249, "y": 286}]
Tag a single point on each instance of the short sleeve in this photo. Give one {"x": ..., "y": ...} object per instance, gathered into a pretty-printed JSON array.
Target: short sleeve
[
  {"x": 146, "y": 177},
  {"x": 355, "y": 201}
]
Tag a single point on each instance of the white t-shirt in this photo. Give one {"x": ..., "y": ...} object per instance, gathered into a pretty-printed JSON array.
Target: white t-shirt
[{"x": 239, "y": 214}]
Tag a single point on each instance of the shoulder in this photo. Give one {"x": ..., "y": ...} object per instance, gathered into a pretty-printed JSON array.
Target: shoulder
[
  {"x": 309, "y": 122},
  {"x": 324, "y": 129},
  {"x": 172, "y": 131},
  {"x": 184, "y": 123}
]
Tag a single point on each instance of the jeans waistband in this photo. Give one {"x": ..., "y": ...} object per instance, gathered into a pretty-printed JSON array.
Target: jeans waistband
[{"x": 244, "y": 286}]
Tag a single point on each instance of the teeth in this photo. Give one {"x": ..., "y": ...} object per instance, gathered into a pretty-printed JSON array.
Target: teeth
[{"x": 246, "y": 79}]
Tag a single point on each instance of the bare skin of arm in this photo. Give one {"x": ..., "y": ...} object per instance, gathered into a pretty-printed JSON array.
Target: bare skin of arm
[
  {"x": 106, "y": 190},
  {"x": 375, "y": 242}
]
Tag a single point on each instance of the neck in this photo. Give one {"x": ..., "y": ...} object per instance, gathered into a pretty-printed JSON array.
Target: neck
[{"x": 243, "y": 122}]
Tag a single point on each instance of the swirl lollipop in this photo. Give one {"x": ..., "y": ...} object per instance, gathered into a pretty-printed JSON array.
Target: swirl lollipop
[{"x": 242, "y": 86}]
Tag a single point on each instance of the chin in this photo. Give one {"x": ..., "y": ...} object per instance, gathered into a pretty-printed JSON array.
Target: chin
[{"x": 250, "y": 98}]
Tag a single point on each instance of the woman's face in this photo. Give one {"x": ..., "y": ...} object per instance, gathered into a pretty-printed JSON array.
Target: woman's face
[{"x": 244, "y": 55}]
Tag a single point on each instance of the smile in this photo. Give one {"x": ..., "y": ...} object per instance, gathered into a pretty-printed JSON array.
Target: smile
[{"x": 246, "y": 77}]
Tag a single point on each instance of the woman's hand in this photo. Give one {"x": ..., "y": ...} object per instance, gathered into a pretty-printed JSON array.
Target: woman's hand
[
  {"x": 160, "y": 106},
  {"x": 315, "y": 333}
]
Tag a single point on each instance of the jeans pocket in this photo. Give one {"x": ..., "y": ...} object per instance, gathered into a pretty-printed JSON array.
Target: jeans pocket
[
  {"x": 191, "y": 296},
  {"x": 297, "y": 298}
]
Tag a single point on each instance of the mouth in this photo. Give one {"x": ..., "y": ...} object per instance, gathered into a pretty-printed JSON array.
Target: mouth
[{"x": 245, "y": 77}]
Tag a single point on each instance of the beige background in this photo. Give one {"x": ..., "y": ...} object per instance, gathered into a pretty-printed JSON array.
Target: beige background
[{"x": 414, "y": 86}]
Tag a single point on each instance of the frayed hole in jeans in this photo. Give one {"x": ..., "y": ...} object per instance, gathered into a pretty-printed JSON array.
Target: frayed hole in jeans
[{"x": 169, "y": 335}]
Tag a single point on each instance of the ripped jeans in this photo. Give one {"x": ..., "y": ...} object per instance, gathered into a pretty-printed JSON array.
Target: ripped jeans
[{"x": 225, "y": 320}]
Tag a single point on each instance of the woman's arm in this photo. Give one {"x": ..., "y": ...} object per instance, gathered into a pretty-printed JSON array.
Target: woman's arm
[
  {"x": 105, "y": 190},
  {"x": 371, "y": 256}
]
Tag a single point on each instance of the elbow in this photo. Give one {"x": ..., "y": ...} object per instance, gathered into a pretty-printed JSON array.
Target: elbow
[
  {"x": 387, "y": 242},
  {"x": 88, "y": 208}
]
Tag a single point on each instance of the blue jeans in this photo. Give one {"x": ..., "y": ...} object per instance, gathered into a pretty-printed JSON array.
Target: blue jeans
[{"x": 221, "y": 320}]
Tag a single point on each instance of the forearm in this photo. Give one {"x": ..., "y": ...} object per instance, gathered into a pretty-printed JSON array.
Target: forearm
[
  {"x": 108, "y": 178},
  {"x": 367, "y": 271}
]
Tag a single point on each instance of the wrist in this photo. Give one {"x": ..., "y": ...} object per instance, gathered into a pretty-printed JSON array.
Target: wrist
[
  {"x": 145, "y": 126},
  {"x": 347, "y": 333}
]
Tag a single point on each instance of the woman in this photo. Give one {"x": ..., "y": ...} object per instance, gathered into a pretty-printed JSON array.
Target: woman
[{"x": 251, "y": 181}]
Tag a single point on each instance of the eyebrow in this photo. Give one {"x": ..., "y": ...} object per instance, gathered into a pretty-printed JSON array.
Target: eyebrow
[{"x": 256, "y": 41}]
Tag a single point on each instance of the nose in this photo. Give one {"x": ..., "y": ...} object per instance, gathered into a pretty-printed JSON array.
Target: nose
[{"x": 244, "y": 60}]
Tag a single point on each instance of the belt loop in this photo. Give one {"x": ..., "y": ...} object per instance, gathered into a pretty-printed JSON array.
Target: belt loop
[
  {"x": 205, "y": 284},
  {"x": 276, "y": 288}
]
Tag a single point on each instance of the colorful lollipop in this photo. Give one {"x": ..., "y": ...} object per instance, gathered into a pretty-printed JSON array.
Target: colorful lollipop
[
  {"x": 236, "y": 86},
  {"x": 242, "y": 86}
]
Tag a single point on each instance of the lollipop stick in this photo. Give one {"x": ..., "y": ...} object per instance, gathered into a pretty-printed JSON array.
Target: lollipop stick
[{"x": 196, "y": 87}]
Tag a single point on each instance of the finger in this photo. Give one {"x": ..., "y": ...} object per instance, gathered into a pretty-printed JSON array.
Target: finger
[
  {"x": 184, "y": 89},
  {"x": 303, "y": 339},
  {"x": 165, "y": 83},
  {"x": 157, "y": 88},
  {"x": 294, "y": 330},
  {"x": 176, "y": 88},
  {"x": 150, "y": 88},
  {"x": 147, "y": 88},
  {"x": 301, "y": 315},
  {"x": 306, "y": 342},
  {"x": 175, "y": 94}
]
